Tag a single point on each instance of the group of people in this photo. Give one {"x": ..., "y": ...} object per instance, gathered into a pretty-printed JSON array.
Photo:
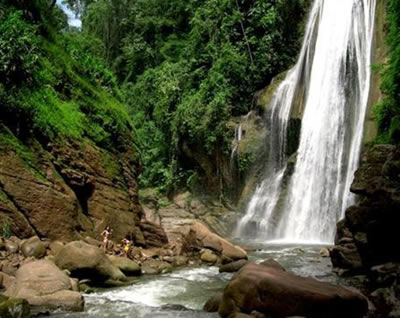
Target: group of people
[{"x": 106, "y": 234}]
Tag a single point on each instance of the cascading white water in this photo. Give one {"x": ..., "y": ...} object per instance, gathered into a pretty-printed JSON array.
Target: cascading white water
[{"x": 330, "y": 85}]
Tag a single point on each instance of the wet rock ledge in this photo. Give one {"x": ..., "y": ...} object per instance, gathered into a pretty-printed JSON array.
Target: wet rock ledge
[{"x": 367, "y": 238}]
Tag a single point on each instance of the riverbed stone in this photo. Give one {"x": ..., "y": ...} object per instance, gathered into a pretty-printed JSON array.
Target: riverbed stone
[
  {"x": 239, "y": 315},
  {"x": 55, "y": 247},
  {"x": 181, "y": 260},
  {"x": 269, "y": 290},
  {"x": 11, "y": 247},
  {"x": 208, "y": 256},
  {"x": 92, "y": 241},
  {"x": 346, "y": 256},
  {"x": 43, "y": 284},
  {"x": 8, "y": 267},
  {"x": 126, "y": 265},
  {"x": 272, "y": 263},
  {"x": 212, "y": 304},
  {"x": 33, "y": 247},
  {"x": 6, "y": 280},
  {"x": 233, "y": 267},
  {"x": 87, "y": 261},
  {"x": 199, "y": 236}
]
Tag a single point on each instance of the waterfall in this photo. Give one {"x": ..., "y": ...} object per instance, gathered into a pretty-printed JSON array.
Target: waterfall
[
  {"x": 236, "y": 141},
  {"x": 329, "y": 86}
]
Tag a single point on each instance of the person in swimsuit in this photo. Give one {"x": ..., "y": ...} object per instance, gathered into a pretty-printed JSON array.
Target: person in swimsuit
[
  {"x": 106, "y": 237},
  {"x": 126, "y": 246}
]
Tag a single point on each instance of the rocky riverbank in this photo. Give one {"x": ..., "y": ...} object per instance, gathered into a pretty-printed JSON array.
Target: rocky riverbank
[
  {"x": 366, "y": 239},
  {"x": 51, "y": 275}
]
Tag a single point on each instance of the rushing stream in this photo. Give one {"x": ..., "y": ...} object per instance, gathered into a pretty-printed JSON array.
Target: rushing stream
[
  {"x": 328, "y": 91},
  {"x": 192, "y": 286}
]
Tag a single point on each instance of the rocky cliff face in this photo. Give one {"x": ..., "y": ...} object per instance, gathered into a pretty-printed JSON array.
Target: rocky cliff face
[
  {"x": 67, "y": 190},
  {"x": 366, "y": 236},
  {"x": 366, "y": 239}
]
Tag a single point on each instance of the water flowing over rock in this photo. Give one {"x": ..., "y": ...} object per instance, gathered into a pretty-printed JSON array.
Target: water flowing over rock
[{"x": 328, "y": 91}]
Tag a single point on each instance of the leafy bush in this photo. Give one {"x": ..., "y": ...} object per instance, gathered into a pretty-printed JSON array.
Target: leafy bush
[
  {"x": 60, "y": 89},
  {"x": 387, "y": 112},
  {"x": 19, "y": 49}
]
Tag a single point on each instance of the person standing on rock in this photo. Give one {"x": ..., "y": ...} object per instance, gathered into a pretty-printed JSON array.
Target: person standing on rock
[
  {"x": 106, "y": 237},
  {"x": 126, "y": 246}
]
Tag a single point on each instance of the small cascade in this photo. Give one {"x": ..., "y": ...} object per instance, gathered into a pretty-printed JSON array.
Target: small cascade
[
  {"x": 329, "y": 87},
  {"x": 236, "y": 141},
  {"x": 239, "y": 134}
]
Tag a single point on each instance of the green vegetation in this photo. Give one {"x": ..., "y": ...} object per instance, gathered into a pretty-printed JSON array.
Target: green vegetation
[
  {"x": 5, "y": 229},
  {"x": 51, "y": 85},
  {"x": 187, "y": 67},
  {"x": 167, "y": 75},
  {"x": 387, "y": 113}
]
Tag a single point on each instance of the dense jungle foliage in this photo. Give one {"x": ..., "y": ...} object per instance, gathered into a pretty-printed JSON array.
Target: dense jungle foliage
[
  {"x": 388, "y": 111},
  {"x": 186, "y": 67},
  {"x": 179, "y": 71},
  {"x": 50, "y": 83}
]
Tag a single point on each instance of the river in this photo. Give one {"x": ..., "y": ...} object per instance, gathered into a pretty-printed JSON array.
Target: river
[{"x": 192, "y": 286}]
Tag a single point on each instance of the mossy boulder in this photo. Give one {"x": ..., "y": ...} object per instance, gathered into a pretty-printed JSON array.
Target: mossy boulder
[{"x": 33, "y": 247}]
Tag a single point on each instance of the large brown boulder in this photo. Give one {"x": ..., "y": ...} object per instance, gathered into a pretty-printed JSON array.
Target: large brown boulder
[
  {"x": 126, "y": 265},
  {"x": 271, "y": 291},
  {"x": 198, "y": 236},
  {"x": 86, "y": 261},
  {"x": 43, "y": 284}
]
